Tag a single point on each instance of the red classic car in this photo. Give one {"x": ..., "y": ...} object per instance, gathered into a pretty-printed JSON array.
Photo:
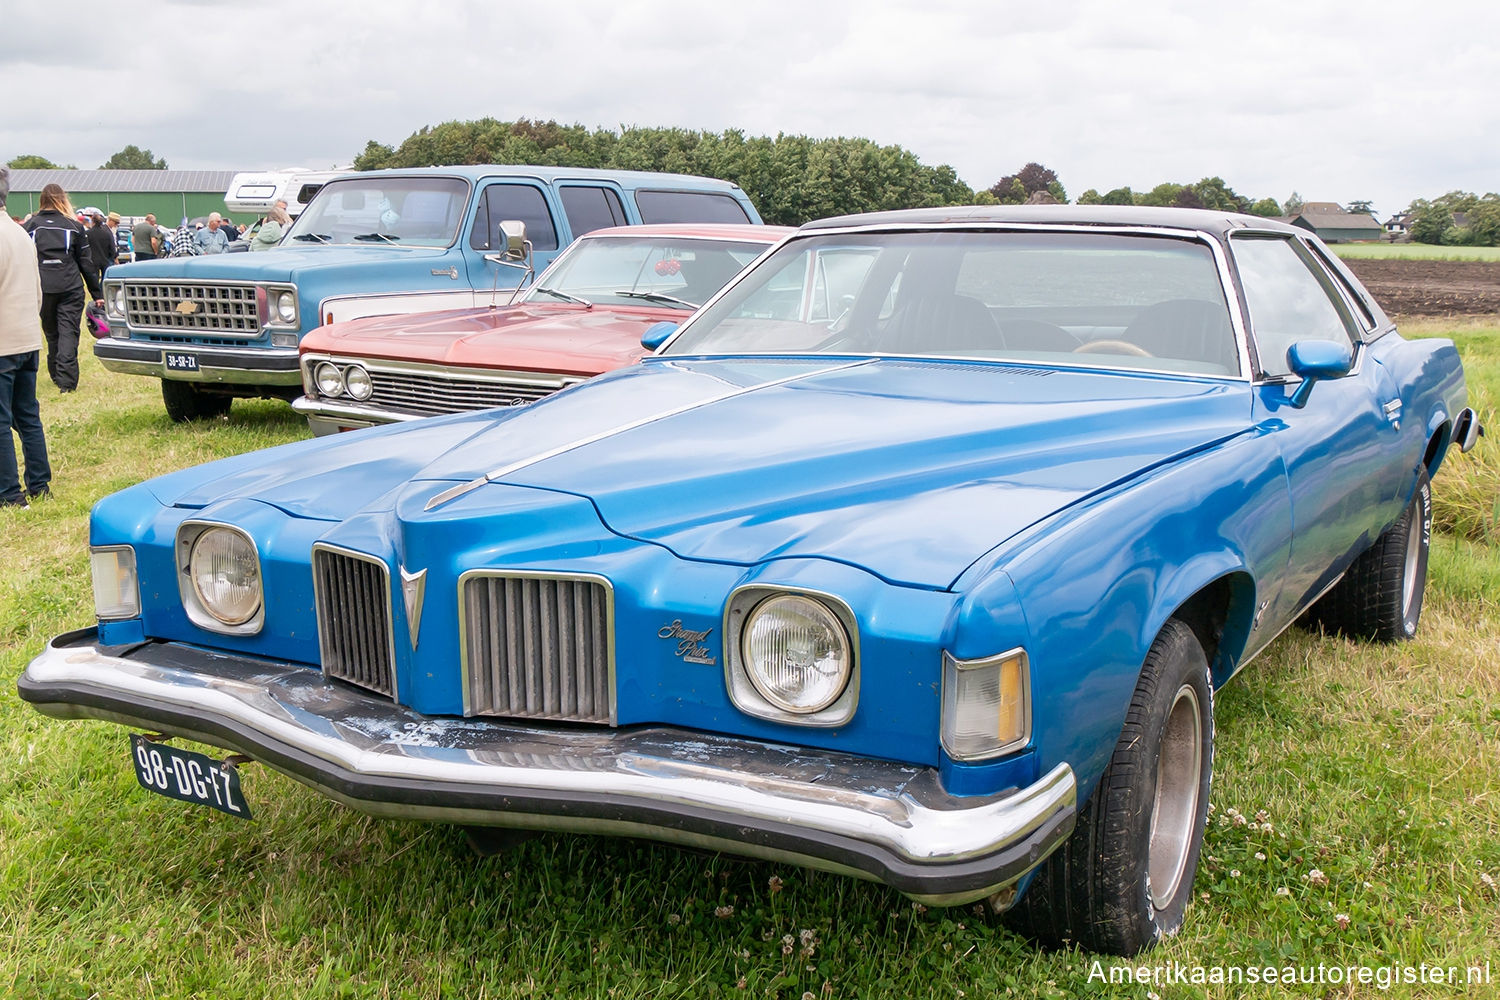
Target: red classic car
[{"x": 583, "y": 316}]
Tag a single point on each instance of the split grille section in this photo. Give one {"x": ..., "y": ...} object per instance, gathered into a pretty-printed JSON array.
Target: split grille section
[
  {"x": 354, "y": 619},
  {"x": 177, "y": 307},
  {"x": 537, "y": 648},
  {"x": 426, "y": 395}
]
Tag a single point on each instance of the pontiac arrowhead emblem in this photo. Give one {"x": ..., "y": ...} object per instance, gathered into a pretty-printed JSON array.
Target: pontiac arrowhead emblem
[
  {"x": 413, "y": 585},
  {"x": 186, "y": 308}
]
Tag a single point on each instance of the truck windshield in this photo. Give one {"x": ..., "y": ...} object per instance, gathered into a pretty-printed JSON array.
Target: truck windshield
[{"x": 379, "y": 210}]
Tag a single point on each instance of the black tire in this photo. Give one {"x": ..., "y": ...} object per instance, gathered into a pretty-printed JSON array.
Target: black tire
[
  {"x": 1096, "y": 891},
  {"x": 489, "y": 841},
  {"x": 185, "y": 401},
  {"x": 1380, "y": 597}
]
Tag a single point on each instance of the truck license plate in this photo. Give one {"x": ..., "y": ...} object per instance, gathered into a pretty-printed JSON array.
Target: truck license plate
[
  {"x": 181, "y": 362},
  {"x": 188, "y": 776}
]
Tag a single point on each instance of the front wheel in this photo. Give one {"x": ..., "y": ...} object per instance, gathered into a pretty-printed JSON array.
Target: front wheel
[
  {"x": 1380, "y": 597},
  {"x": 1122, "y": 881},
  {"x": 185, "y": 401}
]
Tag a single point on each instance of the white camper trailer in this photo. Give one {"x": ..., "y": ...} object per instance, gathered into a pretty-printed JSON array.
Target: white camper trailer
[{"x": 253, "y": 192}]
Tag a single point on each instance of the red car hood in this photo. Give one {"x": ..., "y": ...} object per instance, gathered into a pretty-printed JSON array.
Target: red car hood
[{"x": 535, "y": 337}]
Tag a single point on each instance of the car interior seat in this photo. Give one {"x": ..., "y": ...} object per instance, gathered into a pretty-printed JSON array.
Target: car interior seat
[{"x": 1185, "y": 330}]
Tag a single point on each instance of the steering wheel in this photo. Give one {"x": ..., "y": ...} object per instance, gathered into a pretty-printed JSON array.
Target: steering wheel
[{"x": 1113, "y": 347}]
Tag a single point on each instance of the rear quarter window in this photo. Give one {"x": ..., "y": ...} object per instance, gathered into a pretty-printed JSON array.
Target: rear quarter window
[{"x": 689, "y": 206}]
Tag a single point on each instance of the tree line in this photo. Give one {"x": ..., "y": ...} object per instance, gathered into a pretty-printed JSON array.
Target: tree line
[
  {"x": 1458, "y": 219},
  {"x": 130, "y": 158}
]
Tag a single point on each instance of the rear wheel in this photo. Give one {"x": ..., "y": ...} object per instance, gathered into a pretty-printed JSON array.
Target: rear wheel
[
  {"x": 1122, "y": 881},
  {"x": 1380, "y": 597},
  {"x": 185, "y": 401}
]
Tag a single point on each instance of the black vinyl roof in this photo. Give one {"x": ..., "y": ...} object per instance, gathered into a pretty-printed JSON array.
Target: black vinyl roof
[{"x": 1206, "y": 220}]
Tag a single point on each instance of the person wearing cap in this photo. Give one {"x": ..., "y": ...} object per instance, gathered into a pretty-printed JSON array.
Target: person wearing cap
[
  {"x": 20, "y": 350},
  {"x": 114, "y": 232},
  {"x": 101, "y": 245}
]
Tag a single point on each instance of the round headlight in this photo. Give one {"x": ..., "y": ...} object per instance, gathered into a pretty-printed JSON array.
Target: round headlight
[
  {"x": 797, "y": 653},
  {"x": 286, "y": 307},
  {"x": 226, "y": 575},
  {"x": 329, "y": 379},
  {"x": 357, "y": 382}
]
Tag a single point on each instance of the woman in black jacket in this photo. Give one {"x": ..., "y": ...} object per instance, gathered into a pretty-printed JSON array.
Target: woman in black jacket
[{"x": 67, "y": 265}]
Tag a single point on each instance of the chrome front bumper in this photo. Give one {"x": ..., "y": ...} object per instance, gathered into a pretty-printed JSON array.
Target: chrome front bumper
[
  {"x": 859, "y": 816},
  {"x": 325, "y": 417},
  {"x": 274, "y": 366}
]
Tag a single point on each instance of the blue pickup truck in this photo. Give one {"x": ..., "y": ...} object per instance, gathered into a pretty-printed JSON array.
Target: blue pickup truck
[{"x": 213, "y": 328}]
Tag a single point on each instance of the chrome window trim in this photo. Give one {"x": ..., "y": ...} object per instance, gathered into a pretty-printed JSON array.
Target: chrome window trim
[
  {"x": 515, "y": 574},
  {"x": 1227, "y": 285},
  {"x": 182, "y": 551},
  {"x": 390, "y": 613},
  {"x": 957, "y": 664},
  {"x": 742, "y": 691}
]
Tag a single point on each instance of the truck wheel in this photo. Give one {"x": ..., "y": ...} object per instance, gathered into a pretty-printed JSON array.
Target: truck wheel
[
  {"x": 1380, "y": 597},
  {"x": 1122, "y": 881},
  {"x": 185, "y": 401}
]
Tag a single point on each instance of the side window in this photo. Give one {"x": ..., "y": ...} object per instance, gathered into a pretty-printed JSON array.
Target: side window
[
  {"x": 688, "y": 206},
  {"x": 1367, "y": 318},
  {"x": 1288, "y": 301},
  {"x": 513, "y": 201},
  {"x": 591, "y": 208}
]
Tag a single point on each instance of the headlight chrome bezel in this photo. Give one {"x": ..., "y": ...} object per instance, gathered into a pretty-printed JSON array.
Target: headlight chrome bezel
[
  {"x": 274, "y": 316},
  {"x": 748, "y": 696},
  {"x": 193, "y": 604}
]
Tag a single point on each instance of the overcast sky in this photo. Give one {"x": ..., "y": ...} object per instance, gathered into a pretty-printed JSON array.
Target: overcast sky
[{"x": 1378, "y": 100}]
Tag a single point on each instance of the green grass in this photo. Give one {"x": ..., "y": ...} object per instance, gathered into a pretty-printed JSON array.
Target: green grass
[
  {"x": 1413, "y": 251},
  {"x": 1379, "y": 767}
]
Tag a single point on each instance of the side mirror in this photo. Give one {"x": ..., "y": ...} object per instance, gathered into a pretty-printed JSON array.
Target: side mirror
[
  {"x": 657, "y": 333},
  {"x": 513, "y": 239},
  {"x": 1314, "y": 360}
]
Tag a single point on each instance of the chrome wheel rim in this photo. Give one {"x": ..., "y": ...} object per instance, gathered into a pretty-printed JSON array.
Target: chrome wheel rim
[
  {"x": 1409, "y": 571},
  {"x": 1174, "y": 815}
]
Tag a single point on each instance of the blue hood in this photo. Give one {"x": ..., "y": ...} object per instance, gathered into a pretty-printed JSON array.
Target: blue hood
[
  {"x": 910, "y": 469},
  {"x": 280, "y": 264}
]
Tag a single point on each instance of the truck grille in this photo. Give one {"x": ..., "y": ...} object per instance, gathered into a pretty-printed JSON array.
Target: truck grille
[
  {"x": 176, "y": 307},
  {"x": 427, "y": 394},
  {"x": 354, "y": 619},
  {"x": 538, "y": 648}
]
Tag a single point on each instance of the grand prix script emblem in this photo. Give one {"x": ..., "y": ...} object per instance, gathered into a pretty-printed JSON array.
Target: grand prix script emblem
[{"x": 690, "y": 645}]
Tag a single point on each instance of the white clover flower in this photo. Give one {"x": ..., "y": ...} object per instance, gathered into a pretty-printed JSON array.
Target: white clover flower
[
  {"x": 1316, "y": 877},
  {"x": 722, "y": 912},
  {"x": 1283, "y": 891},
  {"x": 1260, "y": 855},
  {"x": 1342, "y": 919},
  {"x": 1234, "y": 873}
]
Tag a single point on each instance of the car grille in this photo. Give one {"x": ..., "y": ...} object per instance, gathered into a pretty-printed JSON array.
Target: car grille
[
  {"x": 428, "y": 394},
  {"x": 354, "y": 619},
  {"x": 184, "y": 306},
  {"x": 538, "y": 648}
]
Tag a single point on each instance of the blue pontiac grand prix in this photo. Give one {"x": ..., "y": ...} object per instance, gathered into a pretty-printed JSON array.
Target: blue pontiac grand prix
[{"x": 916, "y": 554}]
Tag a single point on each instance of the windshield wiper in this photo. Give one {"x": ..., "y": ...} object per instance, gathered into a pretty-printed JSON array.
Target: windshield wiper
[
  {"x": 562, "y": 295},
  {"x": 319, "y": 237},
  {"x": 368, "y": 237},
  {"x": 658, "y": 297}
]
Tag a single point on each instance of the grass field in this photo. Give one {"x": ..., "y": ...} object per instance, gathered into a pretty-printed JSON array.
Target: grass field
[
  {"x": 1413, "y": 251},
  {"x": 1356, "y": 822}
]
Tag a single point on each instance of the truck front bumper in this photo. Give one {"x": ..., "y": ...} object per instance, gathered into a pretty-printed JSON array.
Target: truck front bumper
[
  {"x": 271, "y": 366},
  {"x": 875, "y": 819}
]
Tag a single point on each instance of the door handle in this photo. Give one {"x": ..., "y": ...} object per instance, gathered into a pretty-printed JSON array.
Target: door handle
[{"x": 1393, "y": 413}]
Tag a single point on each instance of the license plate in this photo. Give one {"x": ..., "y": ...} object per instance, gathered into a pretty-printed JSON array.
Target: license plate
[
  {"x": 181, "y": 362},
  {"x": 187, "y": 776}
]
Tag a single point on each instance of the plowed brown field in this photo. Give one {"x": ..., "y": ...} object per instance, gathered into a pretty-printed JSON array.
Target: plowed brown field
[{"x": 1431, "y": 287}]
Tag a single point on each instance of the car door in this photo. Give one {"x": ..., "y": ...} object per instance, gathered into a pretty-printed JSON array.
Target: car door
[
  {"x": 520, "y": 198},
  {"x": 1336, "y": 448}
]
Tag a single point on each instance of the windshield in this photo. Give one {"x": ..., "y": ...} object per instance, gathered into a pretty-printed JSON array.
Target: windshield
[
  {"x": 1102, "y": 300},
  {"x": 409, "y": 211},
  {"x": 672, "y": 271}
]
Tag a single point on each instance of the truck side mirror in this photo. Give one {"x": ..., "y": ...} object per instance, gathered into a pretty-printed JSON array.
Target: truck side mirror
[{"x": 513, "y": 239}]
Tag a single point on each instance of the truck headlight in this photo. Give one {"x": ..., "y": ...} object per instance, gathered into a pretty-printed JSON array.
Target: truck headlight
[
  {"x": 114, "y": 300},
  {"x": 117, "y": 590},
  {"x": 220, "y": 576},
  {"x": 796, "y": 653},
  {"x": 986, "y": 705},
  {"x": 286, "y": 307}
]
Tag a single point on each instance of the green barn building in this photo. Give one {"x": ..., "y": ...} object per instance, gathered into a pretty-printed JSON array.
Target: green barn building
[{"x": 170, "y": 195}]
